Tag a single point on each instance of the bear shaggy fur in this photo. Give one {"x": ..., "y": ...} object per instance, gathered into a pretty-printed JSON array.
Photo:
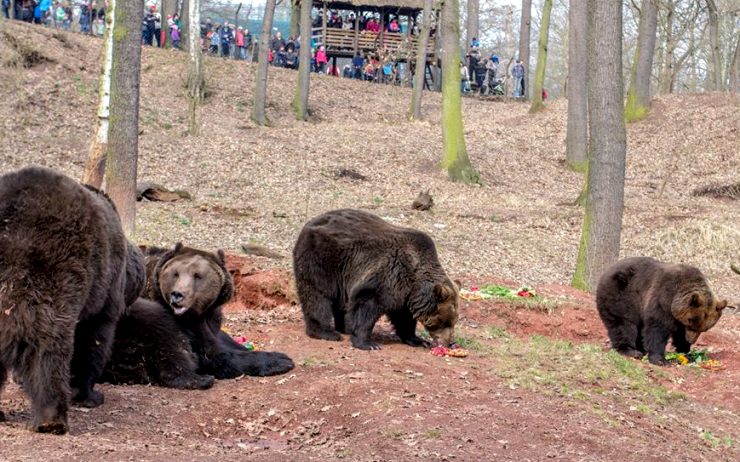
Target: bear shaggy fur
[
  {"x": 643, "y": 302},
  {"x": 351, "y": 267},
  {"x": 174, "y": 339},
  {"x": 66, "y": 274}
]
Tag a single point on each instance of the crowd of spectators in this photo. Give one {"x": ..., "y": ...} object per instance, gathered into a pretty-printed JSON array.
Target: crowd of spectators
[{"x": 67, "y": 15}]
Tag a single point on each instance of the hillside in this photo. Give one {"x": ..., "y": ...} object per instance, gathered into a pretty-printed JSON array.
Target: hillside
[{"x": 519, "y": 394}]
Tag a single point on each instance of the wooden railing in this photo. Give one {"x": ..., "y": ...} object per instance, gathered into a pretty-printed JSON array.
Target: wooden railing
[{"x": 344, "y": 40}]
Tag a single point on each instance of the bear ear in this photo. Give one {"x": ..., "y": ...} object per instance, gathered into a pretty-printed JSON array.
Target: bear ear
[
  {"x": 178, "y": 247},
  {"x": 458, "y": 284},
  {"x": 696, "y": 300},
  {"x": 221, "y": 256},
  {"x": 721, "y": 305},
  {"x": 442, "y": 292}
]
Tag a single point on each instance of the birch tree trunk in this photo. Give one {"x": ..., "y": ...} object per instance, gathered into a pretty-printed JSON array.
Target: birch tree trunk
[
  {"x": 539, "y": 78},
  {"x": 167, "y": 9},
  {"x": 300, "y": 99},
  {"x": 576, "y": 151},
  {"x": 123, "y": 135},
  {"x": 260, "y": 90},
  {"x": 185, "y": 21},
  {"x": 524, "y": 37},
  {"x": 455, "y": 158},
  {"x": 196, "y": 82},
  {"x": 95, "y": 166},
  {"x": 667, "y": 66},
  {"x": 638, "y": 95},
  {"x": 717, "y": 81},
  {"x": 421, "y": 61},
  {"x": 602, "y": 221},
  {"x": 472, "y": 22}
]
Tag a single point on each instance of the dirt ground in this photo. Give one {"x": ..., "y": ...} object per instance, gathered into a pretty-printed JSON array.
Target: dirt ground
[{"x": 540, "y": 383}]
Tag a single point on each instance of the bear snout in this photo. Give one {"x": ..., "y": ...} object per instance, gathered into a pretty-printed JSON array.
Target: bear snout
[{"x": 176, "y": 298}]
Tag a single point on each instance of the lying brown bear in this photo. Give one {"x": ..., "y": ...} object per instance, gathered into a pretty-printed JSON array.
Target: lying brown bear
[
  {"x": 351, "y": 267},
  {"x": 643, "y": 302},
  {"x": 174, "y": 339},
  {"x": 67, "y": 273}
]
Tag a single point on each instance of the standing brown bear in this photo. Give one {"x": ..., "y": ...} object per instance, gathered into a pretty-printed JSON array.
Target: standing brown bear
[
  {"x": 66, "y": 274},
  {"x": 351, "y": 267},
  {"x": 174, "y": 339},
  {"x": 643, "y": 302}
]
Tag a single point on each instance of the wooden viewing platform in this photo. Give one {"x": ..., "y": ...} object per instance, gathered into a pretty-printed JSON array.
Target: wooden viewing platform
[{"x": 344, "y": 43}]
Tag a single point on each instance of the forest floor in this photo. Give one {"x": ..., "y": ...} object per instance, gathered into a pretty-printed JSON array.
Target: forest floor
[{"x": 540, "y": 383}]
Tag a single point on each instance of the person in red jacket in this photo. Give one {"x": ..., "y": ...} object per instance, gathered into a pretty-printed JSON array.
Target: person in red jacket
[
  {"x": 241, "y": 52},
  {"x": 321, "y": 60}
]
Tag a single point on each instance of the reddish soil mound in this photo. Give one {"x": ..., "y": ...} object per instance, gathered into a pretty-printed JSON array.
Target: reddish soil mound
[{"x": 257, "y": 288}]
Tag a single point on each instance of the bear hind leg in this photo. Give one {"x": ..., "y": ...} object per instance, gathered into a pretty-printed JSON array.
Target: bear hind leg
[
  {"x": 319, "y": 316},
  {"x": 3, "y": 377},
  {"x": 93, "y": 345},
  {"x": 625, "y": 339},
  {"x": 46, "y": 380}
]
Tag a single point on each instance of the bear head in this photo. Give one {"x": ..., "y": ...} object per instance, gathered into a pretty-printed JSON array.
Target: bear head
[
  {"x": 441, "y": 319},
  {"x": 192, "y": 281},
  {"x": 698, "y": 310}
]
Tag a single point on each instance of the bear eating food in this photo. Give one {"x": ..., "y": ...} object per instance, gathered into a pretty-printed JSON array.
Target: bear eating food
[
  {"x": 351, "y": 267},
  {"x": 66, "y": 275},
  {"x": 643, "y": 302},
  {"x": 174, "y": 339}
]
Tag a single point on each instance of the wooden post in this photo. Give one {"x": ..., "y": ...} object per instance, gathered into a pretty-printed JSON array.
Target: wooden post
[
  {"x": 357, "y": 30},
  {"x": 382, "y": 27},
  {"x": 323, "y": 28}
]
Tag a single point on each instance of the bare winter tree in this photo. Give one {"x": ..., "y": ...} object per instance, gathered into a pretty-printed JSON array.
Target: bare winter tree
[
  {"x": 735, "y": 68},
  {"x": 196, "y": 81},
  {"x": 576, "y": 151},
  {"x": 260, "y": 90},
  {"x": 524, "y": 37},
  {"x": 455, "y": 158},
  {"x": 295, "y": 13},
  {"x": 717, "y": 82},
  {"x": 95, "y": 166},
  {"x": 472, "y": 21},
  {"x": 539, "y": 78},
  {"x": 638, "y": 95},
  {"x": 602, "y": 220},
  {"x": 300, "y": 99},
  {"x": 123, "y": 136},
  {"x": 421, "y": 61}
]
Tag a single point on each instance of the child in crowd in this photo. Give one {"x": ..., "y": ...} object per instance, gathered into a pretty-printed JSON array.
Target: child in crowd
[{"x": 175, "y": 36}]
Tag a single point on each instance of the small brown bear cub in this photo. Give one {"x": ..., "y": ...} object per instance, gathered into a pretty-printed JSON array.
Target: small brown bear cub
[
  {"x": 67, "y": 273},
  {"x": 351, "y": 267},
  {"x": 174, "y": 339},
  {"x": 643, "y": 302}
]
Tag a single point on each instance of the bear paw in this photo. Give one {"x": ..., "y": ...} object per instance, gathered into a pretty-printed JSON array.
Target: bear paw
[
  {"x": 365, "y": 345},
  {"x": 416, "y": 341},
  {"x": 91, "y": 399},
  {"x": 56, "y": 426},
  {"x": 657, "y": 359}
]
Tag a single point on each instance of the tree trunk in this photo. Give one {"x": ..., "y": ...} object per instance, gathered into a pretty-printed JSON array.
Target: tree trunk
[
  {"x": 667, "y": 67},
  {"x": 735, "y": 69},
  {"x": 638, "y": 95},
  {"x": 473, "y": 22},
  {"x": 168, "y": 8},
  {"x": 95, "y": 166},
  {"x": 524, "y": 37},
  {"x": 185, "y": 20},
  {"x": 717, "y": 82},
  {"x": 421, "y": 60},
  {"x": 576, "y": 151},
  {"x": 295, "y": 13},
  {"x": 260, "y": 90},
  {"x": 539, "y": 78},
  {"x": 196, "y": 82},
  {"x": 455, "y": 158},
  {"x": 123, "y": 135},
  {"x": 602, "y": 221},
  {"x": 300, "y": 99}
]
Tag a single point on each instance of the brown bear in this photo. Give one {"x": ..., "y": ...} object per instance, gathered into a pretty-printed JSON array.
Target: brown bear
[
  {"x": 174, "y": 339},
  {"x": 351, "y": 267},
  {"x": 66, "y": 272},
  {"x": 643, "y": 302}
]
